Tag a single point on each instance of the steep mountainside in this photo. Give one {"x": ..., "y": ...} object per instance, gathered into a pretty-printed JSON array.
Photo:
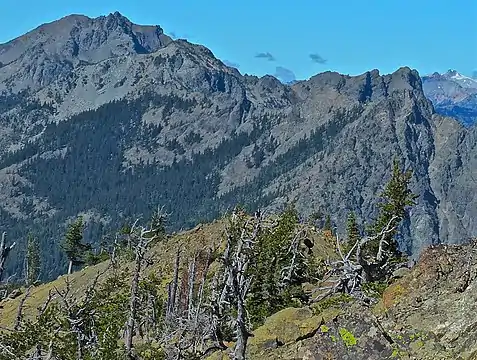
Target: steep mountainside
[
  {"x": 107, "y": 119},
  {"x": 453, "y": 95}
]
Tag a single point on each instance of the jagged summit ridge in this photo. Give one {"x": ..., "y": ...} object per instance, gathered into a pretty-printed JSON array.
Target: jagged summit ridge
[
  {"x": 83, "y": 38},
  {"x": 455, "y": 77}
]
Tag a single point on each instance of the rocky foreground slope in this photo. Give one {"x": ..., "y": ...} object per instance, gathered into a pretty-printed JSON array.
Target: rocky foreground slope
[
  {"x": 425, "y": 314},
  {"x": 105, "y": 118}
]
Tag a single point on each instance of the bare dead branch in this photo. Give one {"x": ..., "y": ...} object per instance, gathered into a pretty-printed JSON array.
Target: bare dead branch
[
  {"x": 382, "y": 240},
  {"x": 45, "y": 305},
  {"x": 288, "y": 271},
  {"x": 7, "y": 351},
  {"x": 145, "y": 236},
  {"x": 236, "y": 281},
  {"x": 18, "y": 318}
]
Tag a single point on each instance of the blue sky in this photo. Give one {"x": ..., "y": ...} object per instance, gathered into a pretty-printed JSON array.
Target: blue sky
[{"x": 352, "y": 36}]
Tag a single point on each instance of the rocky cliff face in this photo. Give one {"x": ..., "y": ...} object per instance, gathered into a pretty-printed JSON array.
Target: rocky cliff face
[{"x": 106, "y": 118}]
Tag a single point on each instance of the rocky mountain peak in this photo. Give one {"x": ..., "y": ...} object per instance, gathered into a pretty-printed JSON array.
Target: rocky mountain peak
[
  {"x": 453, "y": 94},
  {"x": 451, "y": 72},
  {"x": 453, "y": 76},
  {"x": 146, "y": 38},
  {"x": 369, "y": 86},
  {"x": 51, "y": 51},
  {"x": 88, "y": 39}
]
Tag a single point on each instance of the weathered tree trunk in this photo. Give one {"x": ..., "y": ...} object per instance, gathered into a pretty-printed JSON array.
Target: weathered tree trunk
[
  {"x": 191, "y": 282},
  {"x": 37, "y": 355},
  {"x": 4, "y": 251},
  {"x": 202, "y": 285},
  {"x": 79, "y": 350},
  {"x": 171, "y": 301},
  {"x": 133, "y": 303},
  {"x": 236, "y": 261},
  {"x": 70, "y": 267},
  {"x": 18, "y": 319},
  {"x": 242, "y": 333},
  {"x": 49, "y": 356},
  {"x": 26, "y": 269}
]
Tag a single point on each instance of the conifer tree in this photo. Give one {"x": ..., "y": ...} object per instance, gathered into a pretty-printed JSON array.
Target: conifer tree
[
  {"x": 395, "y": 200},
  {"x": 328, "y": 225},
  {"x": 33, "y": 260},
  {"x": 73, "y": 246},
  {"x": 316, "y": 218},
  {"x": 158, "y": 223},
  {"x": 352, "y": 230}
]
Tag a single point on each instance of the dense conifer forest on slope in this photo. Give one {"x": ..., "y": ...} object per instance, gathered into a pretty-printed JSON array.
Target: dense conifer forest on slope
[{"x": 90, "y": 174}]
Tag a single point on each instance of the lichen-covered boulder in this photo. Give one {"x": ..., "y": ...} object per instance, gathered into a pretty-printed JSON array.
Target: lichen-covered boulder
[
  {"x": 342, "y": 331},
  {"x": 285, "y": 327},
  {"x": 353, "y": 334}
]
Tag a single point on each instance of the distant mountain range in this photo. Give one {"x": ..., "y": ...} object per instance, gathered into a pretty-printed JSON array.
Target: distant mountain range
[
  {"x": 107, "y": 119},
  {"x": 453, "y": 94}
]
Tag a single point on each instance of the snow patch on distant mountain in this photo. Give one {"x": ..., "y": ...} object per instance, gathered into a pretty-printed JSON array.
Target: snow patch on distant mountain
[
  {"x": 462, "y": 80},
  {"x": 453, "y": 94}
]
